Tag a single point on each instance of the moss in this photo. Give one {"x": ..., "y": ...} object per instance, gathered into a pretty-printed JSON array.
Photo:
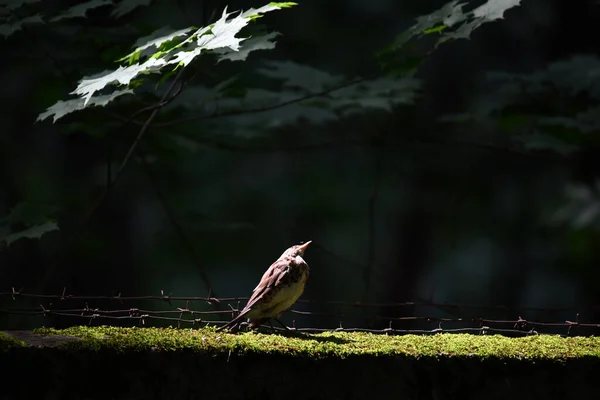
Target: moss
[
  {"x": 332, "y": 344},
  {"x": 8, "y": 342},
  {"x": 156, "y": 363}
]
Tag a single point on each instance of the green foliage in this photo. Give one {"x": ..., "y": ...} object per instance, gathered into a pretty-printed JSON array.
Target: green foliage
[
  {"x": 256, "y": 103},
  {"x": 14, "y": 4},
  {"x": 450, "y": 22},
  {"x": 33, "y": 232},
  {"x": 582, "y": 208},
  {"x": 555, "y": 110},
  {"x": 11, "y": 25},
  {"x": 126, "y": 6},
  {"x": 168, "y": 50},
  {"x": 308, "y": 94},
  {"x": 62, "y": 108},
  {"x": 168, "y": 53},
  {"x": 529, "y": 105},
  {"x": 10, "y": 22},
  {"x": 32, "y": 216},
  {"x": 80, "y": 10}
]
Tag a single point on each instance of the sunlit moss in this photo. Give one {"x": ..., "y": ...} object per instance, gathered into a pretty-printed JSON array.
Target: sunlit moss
[
  {"x": 333, "y": 344},
  {"x": 8, "y": 342}
]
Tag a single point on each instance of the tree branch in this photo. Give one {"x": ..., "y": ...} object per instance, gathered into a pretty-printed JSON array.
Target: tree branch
[
  {"x": 163, "y": 102},
  {"x": 183, "y": 237},
  {"x": 239, "y": 147},
  {"x": 79, "y": 227},
  {"x": 251, "y": 110}
]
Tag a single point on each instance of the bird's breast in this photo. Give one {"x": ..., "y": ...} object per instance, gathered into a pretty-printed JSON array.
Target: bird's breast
[
  {"x": 283, "y": 296},
  {"x": 287, "y": 295}
]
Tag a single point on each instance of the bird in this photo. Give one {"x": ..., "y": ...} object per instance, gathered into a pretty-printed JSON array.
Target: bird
[{"x": 279, "y": 288}]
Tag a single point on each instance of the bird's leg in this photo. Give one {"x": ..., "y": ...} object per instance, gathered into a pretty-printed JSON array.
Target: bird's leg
[{"x": 282, "y": 324}]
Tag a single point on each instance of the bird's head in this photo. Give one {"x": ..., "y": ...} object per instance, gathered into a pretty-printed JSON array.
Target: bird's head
[{"x": 296, "y": 250}]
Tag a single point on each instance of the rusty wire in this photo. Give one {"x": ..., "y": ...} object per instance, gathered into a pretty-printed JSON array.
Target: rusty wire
[{"x": 196, "y": 317}]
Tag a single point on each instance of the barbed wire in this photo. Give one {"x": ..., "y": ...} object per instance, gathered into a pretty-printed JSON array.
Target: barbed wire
[
  {"x": 13, "y": 293},
  {"x": 185, "y": 315}
]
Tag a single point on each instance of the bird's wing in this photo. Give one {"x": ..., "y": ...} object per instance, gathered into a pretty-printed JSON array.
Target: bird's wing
[{"x": 272, "y": 277}]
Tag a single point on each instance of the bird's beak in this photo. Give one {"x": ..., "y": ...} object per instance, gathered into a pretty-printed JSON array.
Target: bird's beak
[{"x": 305, "y": 245}]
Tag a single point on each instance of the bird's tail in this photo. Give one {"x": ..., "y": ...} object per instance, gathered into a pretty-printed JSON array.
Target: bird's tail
[{"x": 234, "y": 323}]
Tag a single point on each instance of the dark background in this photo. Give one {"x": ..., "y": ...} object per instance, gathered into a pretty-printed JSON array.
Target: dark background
[{"x": 500, "y": 209}]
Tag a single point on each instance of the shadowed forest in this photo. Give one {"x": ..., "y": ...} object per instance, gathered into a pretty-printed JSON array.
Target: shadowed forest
[{"x": 433, "y": 151}]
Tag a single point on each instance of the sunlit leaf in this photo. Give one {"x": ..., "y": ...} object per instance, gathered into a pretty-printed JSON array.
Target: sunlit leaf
[
  {"x": 220, "y": 37},
  {"x": 62, "y": 108},
  {"x": 256, "y": 43}
]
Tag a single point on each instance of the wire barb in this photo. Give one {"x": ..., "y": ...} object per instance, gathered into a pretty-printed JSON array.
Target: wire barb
[{"x": 90, "y": 309}]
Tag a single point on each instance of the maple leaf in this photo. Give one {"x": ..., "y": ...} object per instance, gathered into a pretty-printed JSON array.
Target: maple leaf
[
  {"x": 80, "y": 10},
  {"x": 33, "y": 232},
  {"x": 122, "y": 76},
  {"x": 155, "y": 40},
  {"x": 8, "y": 29},
  {"x": 452, "y": 15},
  {"x": 127, "y": 6},
  {"x": 219, "y": 37},
  {"x": 14, "y": 4},
  {"x": 62, "y": 108},
  {"x": 493, "y": 10},
  {"x": 256, "y": 43},
  {"x": 308, "y": 94},
  {"x": 300, "y": 76}
]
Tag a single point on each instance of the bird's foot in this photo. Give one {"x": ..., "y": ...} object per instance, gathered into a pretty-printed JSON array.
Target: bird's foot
[{"x": 289, "y": 331}]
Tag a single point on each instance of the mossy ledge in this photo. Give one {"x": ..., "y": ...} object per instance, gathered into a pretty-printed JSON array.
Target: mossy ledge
[
  {"x": 325, "y": 345},
  {"x": 8, "y": 342},
  {"x": 153, "y": 363}
]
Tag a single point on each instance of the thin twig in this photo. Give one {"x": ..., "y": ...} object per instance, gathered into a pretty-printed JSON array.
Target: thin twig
[
  {"x": 257, "y": 109},
  {"x": 163, "y": 102},
  {"x": 369, "y": 144},
  {"x": 373, "y": 197},
  {"x": 183, "y": 237},
  {"x": 110, "y": 185}
]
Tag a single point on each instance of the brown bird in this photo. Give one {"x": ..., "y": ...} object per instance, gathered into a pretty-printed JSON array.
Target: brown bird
[{"x": 278, "y": 289}]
